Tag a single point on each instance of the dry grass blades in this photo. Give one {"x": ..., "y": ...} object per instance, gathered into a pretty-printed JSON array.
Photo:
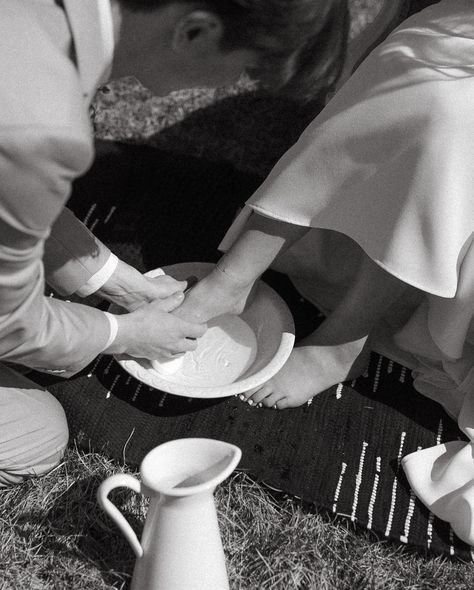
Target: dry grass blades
[{"x": 54, "y": 536}]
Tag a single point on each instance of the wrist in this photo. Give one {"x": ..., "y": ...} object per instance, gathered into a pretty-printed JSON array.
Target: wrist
[
  {"x": 120, "y": 344},
  {"x": 100, "y": 278},
  {"x": 113, "y": 325},
  {"x": 123, "y": 287}
]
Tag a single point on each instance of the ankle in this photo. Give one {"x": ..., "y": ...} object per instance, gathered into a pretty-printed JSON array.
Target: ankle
[
  {"x": 231, "y": 282},
  {"x": 348, "y": 360}
]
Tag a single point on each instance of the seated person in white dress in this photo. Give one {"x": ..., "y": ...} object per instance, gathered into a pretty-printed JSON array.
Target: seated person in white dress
[
  {"x": 371, "y": 214},
  {"x": 54, "y": 56}
]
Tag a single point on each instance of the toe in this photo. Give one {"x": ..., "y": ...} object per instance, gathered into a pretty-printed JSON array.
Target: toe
[
  {"x": 259, "y": 395},
  {"x": 283, "y": 404},
  {"x": 271, "y": 400},
  {"x": 246, "y": 395}
]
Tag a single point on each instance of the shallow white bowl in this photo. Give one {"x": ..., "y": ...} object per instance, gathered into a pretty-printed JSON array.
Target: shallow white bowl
[{"x": 268, "y": 316}]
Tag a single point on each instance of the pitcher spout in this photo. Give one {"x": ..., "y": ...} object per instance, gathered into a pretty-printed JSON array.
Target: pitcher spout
[{"x": 189, "y": 466}]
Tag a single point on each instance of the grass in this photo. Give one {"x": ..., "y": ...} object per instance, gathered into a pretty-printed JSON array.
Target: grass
[{"x": 53, "y": 535}]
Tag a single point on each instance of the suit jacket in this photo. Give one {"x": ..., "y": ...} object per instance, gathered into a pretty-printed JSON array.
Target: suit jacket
[{"x": 52, "y": 58}]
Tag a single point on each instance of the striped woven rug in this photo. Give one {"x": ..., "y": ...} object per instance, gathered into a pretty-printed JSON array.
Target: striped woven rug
[{"x": 341, "y": 453}]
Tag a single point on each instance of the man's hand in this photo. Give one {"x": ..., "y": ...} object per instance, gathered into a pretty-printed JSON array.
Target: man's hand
[
  {"x": 129, "y": 289},
  {"x": 152, "y": 332}
]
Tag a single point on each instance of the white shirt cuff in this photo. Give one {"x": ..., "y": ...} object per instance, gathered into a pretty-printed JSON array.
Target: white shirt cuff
[
  {"x": 99, "y": 278},
  {"x": 113, "y": 328}
]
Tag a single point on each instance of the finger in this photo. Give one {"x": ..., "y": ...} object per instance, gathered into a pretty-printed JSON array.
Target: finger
[
  {"x": 190, "y": 282},
  {"x": 171, "y": 302},
  {"x": 180, "y": 285},
  {"x": 193, "y": 331},
  {"x": 186, "y": 344},
  {"x": 181, "y": 345},
  {"x": 162, "y": 354},
  {"x": 164, "y": 286}
]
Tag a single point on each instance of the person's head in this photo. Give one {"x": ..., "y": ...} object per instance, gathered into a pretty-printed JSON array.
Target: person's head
[{"x": 296, "y": 46}]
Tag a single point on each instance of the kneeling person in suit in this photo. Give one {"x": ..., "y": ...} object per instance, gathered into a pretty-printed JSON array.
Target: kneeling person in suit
[{"x": 54, "y": 56}]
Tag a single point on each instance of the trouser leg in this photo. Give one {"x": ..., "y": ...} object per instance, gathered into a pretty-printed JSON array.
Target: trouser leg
[{"x": 33, "y": 429}]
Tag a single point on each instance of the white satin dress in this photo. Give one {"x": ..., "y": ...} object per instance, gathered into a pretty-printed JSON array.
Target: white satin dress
[{"x": 387, "y": 168}]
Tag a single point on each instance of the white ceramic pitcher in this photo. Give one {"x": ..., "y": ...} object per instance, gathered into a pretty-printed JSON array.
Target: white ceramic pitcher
[{"x": 181, "y": 547}]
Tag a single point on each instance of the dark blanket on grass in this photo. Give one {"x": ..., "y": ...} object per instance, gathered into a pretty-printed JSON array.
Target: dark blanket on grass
[{"x": 341, "y": 453}]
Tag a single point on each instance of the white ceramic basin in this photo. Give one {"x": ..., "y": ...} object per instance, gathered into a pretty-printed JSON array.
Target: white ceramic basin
[{"x": 268, "y": 316}]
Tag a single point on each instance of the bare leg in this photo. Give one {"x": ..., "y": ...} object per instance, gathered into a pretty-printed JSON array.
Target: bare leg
[
  {"x": 227, "y": 287},
  {"x": 339, "y": 348}
]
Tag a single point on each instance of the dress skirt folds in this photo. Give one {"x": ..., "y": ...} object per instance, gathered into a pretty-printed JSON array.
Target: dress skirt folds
[{"x": 387, "y": 169}]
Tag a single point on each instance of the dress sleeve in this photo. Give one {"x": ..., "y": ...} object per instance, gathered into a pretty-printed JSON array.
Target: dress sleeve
[{"x": 37, "y": 166}]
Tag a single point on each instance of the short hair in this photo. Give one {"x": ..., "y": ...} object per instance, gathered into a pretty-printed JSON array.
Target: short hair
[{"x": 301, "y": 43}]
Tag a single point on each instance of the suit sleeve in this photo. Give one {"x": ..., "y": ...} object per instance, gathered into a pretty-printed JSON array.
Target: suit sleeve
[
  {"x": 37, "y": 166},
  {"x": 72, "y": 254}
]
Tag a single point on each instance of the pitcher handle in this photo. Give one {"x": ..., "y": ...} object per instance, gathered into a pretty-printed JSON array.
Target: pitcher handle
[{"x": 120, "y": 480}]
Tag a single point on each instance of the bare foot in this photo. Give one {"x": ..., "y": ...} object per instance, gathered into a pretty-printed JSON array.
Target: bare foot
[
  {"x": 214, "y": 295},
  {"x": 309, "y": 370}
]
